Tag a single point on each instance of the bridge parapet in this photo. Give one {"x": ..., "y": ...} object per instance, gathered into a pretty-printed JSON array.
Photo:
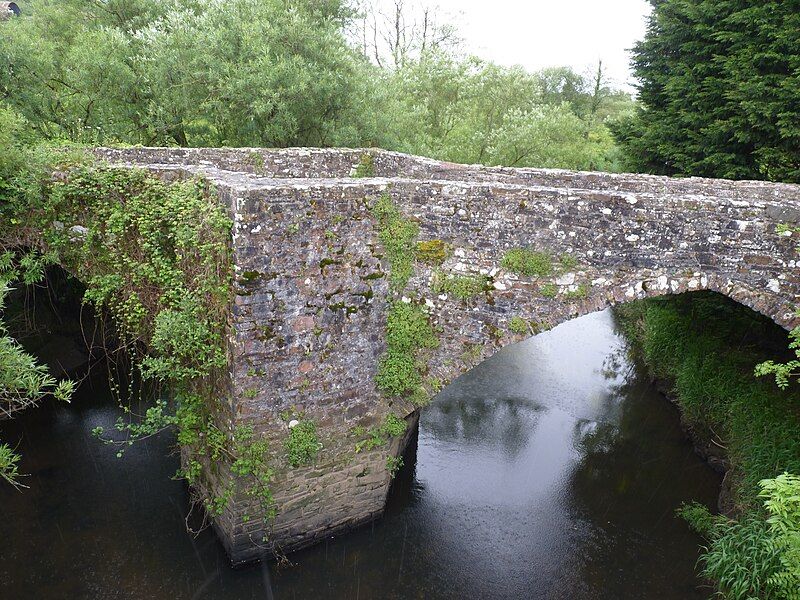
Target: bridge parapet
[{"x": 308, "y": 319}]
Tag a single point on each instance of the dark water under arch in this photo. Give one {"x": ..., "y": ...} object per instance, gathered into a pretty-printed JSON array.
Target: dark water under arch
[{"x": 552, "y": 470}]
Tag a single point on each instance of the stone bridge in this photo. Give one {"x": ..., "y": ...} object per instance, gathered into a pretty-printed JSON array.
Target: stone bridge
[{"x": 309, "y": 315}]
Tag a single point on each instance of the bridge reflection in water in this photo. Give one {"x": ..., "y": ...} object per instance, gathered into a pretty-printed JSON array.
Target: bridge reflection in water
[{"x": 551, "y": 470}]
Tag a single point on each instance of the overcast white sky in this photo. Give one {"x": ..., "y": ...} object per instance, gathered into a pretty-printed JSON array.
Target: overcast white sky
[{"x": 542, "y": 33}]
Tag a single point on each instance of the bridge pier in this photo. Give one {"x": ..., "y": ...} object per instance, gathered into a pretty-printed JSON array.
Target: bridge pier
[{"x": 312, "y": 291}]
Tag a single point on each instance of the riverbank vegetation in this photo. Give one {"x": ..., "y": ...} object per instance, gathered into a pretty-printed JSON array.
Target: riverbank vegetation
[{"x": 705, "y": 348}]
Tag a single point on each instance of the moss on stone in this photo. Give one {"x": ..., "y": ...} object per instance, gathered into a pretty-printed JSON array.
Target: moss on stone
[
  {"x": 519, "y": 325},
  {"x": 548, "y": 290},
  {"x": 432, "y": 252},
  {"x": 582, "y": 291}
]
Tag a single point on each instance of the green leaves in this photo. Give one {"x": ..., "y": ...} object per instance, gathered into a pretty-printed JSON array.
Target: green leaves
[
  {"x": 399, "y": 238},
  {"x": 408, "y": 332},
  {"x": 783, "y": 372},
  {"x": 9, "y": 467},
  {"x": 719, "y": 89},
  {"x": 302, "y": 445}
]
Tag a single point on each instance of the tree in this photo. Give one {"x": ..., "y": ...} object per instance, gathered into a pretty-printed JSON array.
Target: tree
[
  {"x": 720, "y": 90},
  {"x": 241, "y": 72},
  {"x": 23, "y": 382},
  {"x": 402, "y": 32}
]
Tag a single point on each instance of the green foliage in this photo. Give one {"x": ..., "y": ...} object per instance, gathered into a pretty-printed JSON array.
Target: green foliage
[
  {"x": 393, "y": 465},
  {"x": 276, "y": 73},
  {"x": 783, "y": 371},
  {"x": 757, "y": 556},
  {"x": 155, "y": 257},
  {"x": 408, "y": 332},
  {"x": 698, "y": 517},
  {"x": 9, "y": 468},
  {"x": 302, "y": 445},
  {"x": 462, "y": 287},
  {"x": 470, "y": 111},
  {"x": 519, "y": 325},
  {"x": 23, "y": 382},
  {"x": 741, "y": 559},
  {"x": 719, "y": 91},
  {"x": 707, "y": 345},
  {"x": 529, "y": 263},
  {"x": 399, "y": 238},
  {"x": 781, "y": 497},
  {"x": 245, "y": 73},
  {"x": 250, "y": 455},
  {"x": 392, "y": 426}
]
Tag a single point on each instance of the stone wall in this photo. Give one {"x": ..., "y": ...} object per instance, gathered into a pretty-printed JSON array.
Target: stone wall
[{"x": 309, "y": 314}]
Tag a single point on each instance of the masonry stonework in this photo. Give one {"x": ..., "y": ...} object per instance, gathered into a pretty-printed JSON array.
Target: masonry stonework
[{"x": 308, "y": 318}]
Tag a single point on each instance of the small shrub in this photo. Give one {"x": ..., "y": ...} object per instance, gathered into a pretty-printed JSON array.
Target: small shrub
[
  {"x": 393, "y": 465},
  {"x": 519, "y": 325},
  {"x": 524, "y": 261},
  {"x": 392, "y": 426},
  {"x": 302, "y": 446},
  {"x": 407, "y": 332},
  {"x": 462, "y": 287}
]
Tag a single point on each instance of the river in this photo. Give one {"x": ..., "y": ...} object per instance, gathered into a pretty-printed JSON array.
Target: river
[{"x": 551, "y": 470}]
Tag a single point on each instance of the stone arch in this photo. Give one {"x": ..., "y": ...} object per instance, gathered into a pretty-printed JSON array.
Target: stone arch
[{"x": 642, "y": 284}]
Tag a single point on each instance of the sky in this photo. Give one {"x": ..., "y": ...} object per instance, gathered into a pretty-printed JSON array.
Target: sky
[{"x": 542, "y": 33}]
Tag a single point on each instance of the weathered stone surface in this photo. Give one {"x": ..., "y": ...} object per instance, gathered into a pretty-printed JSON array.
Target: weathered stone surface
[{"x": 308, "y": 318}]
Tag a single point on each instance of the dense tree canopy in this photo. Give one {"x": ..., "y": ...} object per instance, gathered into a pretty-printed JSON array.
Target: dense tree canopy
[
  {"x": 289, "y": 73},
  {"x": 720, "y": 90}
]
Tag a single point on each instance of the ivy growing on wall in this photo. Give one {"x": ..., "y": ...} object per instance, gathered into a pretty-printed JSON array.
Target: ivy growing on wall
[{"x": 154, "y": 256}]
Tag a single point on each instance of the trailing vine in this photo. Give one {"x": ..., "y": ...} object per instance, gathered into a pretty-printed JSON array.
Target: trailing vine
[{"x": 155, "y": 257}]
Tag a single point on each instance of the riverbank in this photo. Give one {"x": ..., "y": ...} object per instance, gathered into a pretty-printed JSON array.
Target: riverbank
[{"x": 701, "y": 349}]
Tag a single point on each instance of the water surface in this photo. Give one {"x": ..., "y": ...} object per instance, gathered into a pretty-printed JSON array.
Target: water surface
[{"x": 552, "y": 470}]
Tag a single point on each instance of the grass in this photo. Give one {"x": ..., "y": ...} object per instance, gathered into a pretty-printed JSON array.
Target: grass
[
  {"x": 462, "y": 287},
  {"x": 529, "y": 263},
  {"x": 707, "y": 347}
]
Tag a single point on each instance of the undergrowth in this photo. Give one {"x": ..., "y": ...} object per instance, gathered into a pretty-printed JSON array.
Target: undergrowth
[{"x": 707, "y": 347}]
